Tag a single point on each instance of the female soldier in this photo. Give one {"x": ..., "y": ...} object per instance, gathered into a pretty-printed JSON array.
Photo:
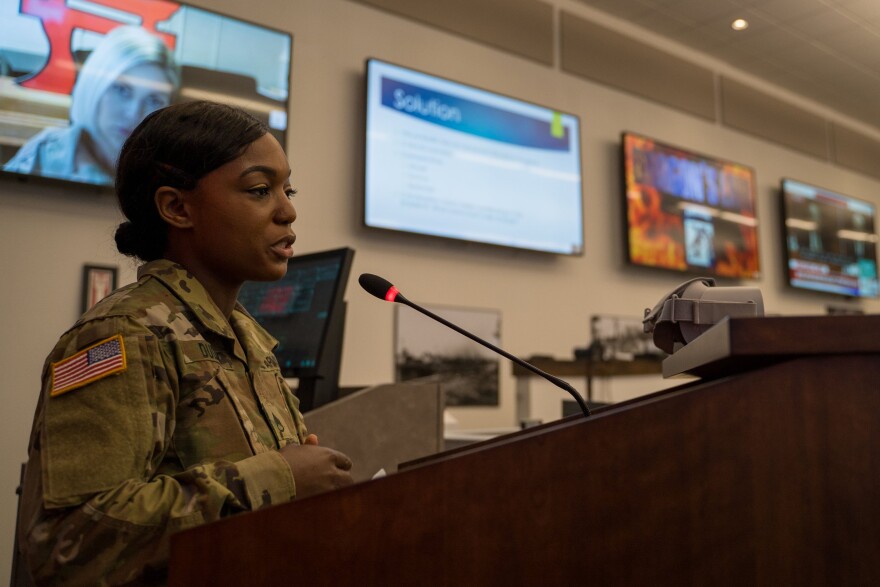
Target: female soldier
[{"x": 163, "y": 407}]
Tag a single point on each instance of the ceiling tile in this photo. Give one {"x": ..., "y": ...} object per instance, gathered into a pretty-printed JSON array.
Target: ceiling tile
[
  {"x": 806, "y": 59},
  {"x": 721, "y": 25},
  {"x": 791, "y": 80},
  {"x": 741, "y": 62},
  {"x": 825, "y": 50},
  {"x": 701, "y": 40},
  {"x": 788, "y": 10},
  {"x": 663, "y": 24},
  {"x": 869, "y": 113},
  {"x": 857, "y": 44},
  {"x": 858, "y": 92},
  {"x": 764, "y": 69},
  {"x": 745, "y": 3},
  {"x": 867, "y": 10},
  {"x": 853, "y": 42},
  {"x": 768, "y": 41},
  {"x": 846, "y": 78},
  {"x": 693, "y": 10},
  {"x": 761, "y": 42},
  {"x": 625, "y": 10},
  {"x": 820, "y": 24}
]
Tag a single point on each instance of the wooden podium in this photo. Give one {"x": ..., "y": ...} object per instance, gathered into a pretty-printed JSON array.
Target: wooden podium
[{"x": 766, "y": 472}]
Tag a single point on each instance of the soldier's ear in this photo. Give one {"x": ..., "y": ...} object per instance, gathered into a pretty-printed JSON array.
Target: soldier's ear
[{"x": 171, "y": 204}]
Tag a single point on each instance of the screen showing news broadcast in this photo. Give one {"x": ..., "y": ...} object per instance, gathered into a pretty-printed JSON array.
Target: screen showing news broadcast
[
  {"x": 689, "y": 212},
  {"x": 830, "y": 240},
  {"x": 77, "y": 76}
]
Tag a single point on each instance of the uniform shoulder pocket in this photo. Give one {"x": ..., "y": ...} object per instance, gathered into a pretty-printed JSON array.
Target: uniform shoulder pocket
[{"x": 99, "y": 433}]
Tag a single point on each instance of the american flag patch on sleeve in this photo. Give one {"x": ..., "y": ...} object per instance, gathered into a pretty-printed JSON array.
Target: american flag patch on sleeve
[{"x": 88, "y": 365}]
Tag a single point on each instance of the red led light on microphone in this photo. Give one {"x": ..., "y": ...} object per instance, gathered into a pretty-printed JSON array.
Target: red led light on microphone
[{"x": 391, "y": 294}]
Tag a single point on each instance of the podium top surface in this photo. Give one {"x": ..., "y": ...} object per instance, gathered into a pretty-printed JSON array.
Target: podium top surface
[{"x": 740, "y": 344}]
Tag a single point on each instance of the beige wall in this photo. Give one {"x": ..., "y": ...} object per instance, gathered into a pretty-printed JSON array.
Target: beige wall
[{"x": 48, "y": 232}]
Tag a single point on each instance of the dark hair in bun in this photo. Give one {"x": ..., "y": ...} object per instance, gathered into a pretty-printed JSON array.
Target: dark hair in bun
[{"x": 175, "y": 147}]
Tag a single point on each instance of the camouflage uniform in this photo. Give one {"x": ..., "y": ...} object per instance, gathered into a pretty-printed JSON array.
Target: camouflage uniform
[{"x": 186, "y": 433}]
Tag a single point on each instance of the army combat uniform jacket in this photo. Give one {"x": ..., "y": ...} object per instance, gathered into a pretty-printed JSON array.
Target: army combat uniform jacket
[{"x": 156, "y": 414}]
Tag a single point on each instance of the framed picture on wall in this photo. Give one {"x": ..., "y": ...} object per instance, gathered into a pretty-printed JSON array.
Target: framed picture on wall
[
  {"x": 467, "y": 370},
  {"x": 621, "y": 338},
  {"x": 98, "y": 282}
]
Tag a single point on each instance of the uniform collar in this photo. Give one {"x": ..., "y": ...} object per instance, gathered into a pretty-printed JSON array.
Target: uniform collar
[{"x": 194, "y": 295}]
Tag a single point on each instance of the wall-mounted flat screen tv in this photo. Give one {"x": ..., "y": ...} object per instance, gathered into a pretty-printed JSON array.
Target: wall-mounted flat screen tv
[
  {"x": 451, "y": 160},
  {"x": 76, "y": 77},
  {"x": 688, "y": 212},
  {"x": 830, "y": 240}
]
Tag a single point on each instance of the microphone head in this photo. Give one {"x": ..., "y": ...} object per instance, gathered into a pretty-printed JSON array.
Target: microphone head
[{"x": 379, "y": 287}]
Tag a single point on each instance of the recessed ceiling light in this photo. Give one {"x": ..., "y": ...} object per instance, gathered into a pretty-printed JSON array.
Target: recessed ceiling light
[{"x": 739, "y": 24}]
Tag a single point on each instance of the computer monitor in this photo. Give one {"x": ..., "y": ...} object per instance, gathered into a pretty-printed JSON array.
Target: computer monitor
[{"x": 305, "y": 311}]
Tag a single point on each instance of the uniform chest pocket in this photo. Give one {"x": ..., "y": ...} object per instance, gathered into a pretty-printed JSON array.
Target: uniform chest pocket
[
  {"x": 210, "y": 424},
  {"x": 278, "y": 403}
]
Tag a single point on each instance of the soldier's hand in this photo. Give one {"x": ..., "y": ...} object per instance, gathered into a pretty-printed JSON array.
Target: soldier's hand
[{"x": 317, "y": 469}]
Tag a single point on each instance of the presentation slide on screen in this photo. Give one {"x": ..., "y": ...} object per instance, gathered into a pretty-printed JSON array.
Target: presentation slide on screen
[{"x": 451, "y": 160}]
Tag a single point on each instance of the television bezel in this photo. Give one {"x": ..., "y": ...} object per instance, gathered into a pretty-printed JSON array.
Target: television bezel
[
  {"x": 695, "y": 271},
  {"x": 462, "y": 241},
  {"x": 786, "y": 253}
]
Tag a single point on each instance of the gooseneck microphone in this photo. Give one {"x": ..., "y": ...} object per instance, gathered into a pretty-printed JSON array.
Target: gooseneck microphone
[{"x": 382, "y": 289}]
